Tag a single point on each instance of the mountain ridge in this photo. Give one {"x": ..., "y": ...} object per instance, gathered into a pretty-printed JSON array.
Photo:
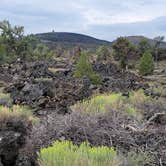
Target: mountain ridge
[
  {"x": 70, "y": 37},
  {"x": 76, "y": 38}
]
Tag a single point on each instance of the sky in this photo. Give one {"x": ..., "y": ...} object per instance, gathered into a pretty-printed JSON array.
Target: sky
[{"x": 103, "y": 19}]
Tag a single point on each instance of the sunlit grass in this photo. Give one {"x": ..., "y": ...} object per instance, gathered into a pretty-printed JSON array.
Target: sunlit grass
[{"x": 67, "y": 154}]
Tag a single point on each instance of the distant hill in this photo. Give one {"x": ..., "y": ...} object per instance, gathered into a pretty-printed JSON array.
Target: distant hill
[
  {"x": 136, "y": 39},
  {"x": 70, "y": 39},
  {"x": 66, "y": 40}
]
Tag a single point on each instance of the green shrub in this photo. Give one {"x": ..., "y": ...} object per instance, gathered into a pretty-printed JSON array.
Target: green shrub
[
  {"x": 143, "y": 46},
  {"x": 122, "y": 48},
  {"x": 146, "y": 65},
  {"x": 15, "y": 45},
  {"x": 42, "y": 52},
  {"x": 131, "y": 111},
  {"x": 84, "y": 68},
  {"x": 67, "y": 154},
  {"x": 103, "y": 53}
]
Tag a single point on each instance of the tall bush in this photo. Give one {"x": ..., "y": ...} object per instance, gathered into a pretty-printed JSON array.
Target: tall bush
[
  {"x": 103, "y": 53},
  {"x": 122, "y": 48},
  {"x": 84, "y": 68},
  {"x": 146, "y": 65}
]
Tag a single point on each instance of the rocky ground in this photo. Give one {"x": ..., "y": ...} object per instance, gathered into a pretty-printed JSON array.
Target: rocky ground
[{"x": 50, "y": 89}]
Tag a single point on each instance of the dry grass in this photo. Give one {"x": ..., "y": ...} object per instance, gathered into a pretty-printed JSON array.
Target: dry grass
[
  {"x": 16, "y": 111},
  {"x": 55, "y": 70},
  {"x": 43, "y": 79}
]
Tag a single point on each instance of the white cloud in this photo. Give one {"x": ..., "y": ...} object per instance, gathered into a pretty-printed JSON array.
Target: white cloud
[{"x": 79, "y": 15}]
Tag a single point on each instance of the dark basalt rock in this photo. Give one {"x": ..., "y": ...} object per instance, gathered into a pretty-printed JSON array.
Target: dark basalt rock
[
  {"x": 13, "y": 132},
  {"x": 51, "y": 93}
]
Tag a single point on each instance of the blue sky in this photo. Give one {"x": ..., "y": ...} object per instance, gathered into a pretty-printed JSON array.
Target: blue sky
[{"x": 104, "y": 19}]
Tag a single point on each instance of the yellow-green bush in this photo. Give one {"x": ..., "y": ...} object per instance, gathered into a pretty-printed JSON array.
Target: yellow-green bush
[
  {"x": 67, "y": 154},
  {"x": 104, "y": 102},
  {"x": 98, "y": 103}
]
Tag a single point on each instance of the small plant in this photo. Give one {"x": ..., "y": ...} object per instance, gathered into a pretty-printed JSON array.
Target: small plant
[
  {"x": 140, "y": 159},
  {"x": 146, "y": 65},
  {"x": 67, "y": 154},
  {"x": 138, "y": 97},
  {"x": 131, "y": 111},
  {"x": 5, "y": 98},
  {"x": 84, "y": 68}
]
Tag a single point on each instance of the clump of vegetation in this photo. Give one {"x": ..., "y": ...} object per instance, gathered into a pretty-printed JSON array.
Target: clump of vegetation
[
  {"x": 140, "y": 159},
  {"x": 84, "y": 68},
  {"x": 97, "y": 104},
  {"x": 103, "y": 53},
  {"x": 66, "y": 154},
  {"x": 16, "y": 112},
  {"x": 122, "y": 48},
  {"x": 138, "y": 97},
  {"x": 103, "y": 103},
  {"x": 131, "y": 111},
  {"x": 5, "y": 98},
  {"x": 143, "y": 46},
  {"x": 42, "y": 52},
  {"x": 15, "y": 45},
  {"x": 146, "y": 65}
]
